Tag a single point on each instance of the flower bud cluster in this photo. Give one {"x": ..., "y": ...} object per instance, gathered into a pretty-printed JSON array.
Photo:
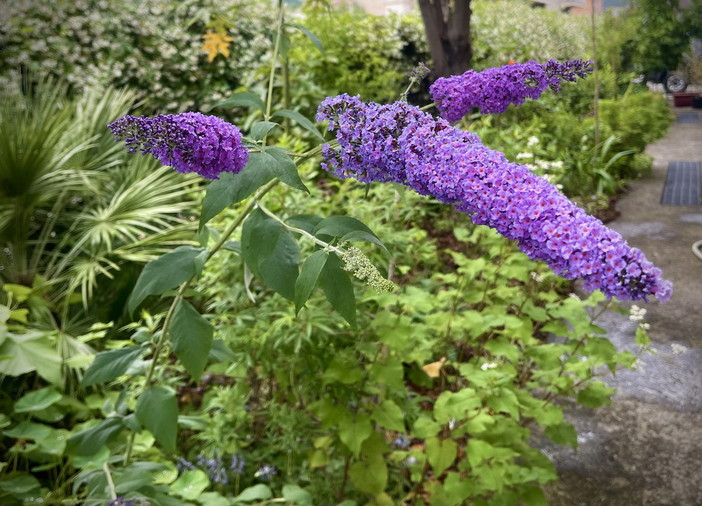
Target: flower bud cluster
[
  {"x": 494, "y": 89},
  {"x": 398, "y": 142},
  {"x": 189, "y": 142},
  {"x": 360, "y": 266}
]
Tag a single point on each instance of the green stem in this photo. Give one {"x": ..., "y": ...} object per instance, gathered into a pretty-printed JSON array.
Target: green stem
[
  {"x": 428, "y": 106},
  {"x": 276, "y": 49},
  {"x": 304, "y": 233},
  {"x": 161, "y": 341},
  {"x": 110, "y": 483}
]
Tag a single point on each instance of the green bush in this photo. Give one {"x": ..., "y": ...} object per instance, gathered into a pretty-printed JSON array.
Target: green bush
[{"x": 153, "y": 47}]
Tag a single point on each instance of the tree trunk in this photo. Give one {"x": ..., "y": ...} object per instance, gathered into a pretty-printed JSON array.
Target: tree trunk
[{"x": 447, "y": 25}]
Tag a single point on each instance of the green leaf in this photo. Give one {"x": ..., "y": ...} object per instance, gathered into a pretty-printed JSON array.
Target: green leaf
[
  {"x": 369, "y": 476},
  {"x": 503, "y": 347},
  {"x": 261, "y": 129},
  {"x": 478, "y": 451},
  {"x": 425, "y": 427},
  {"x": 157, "y": 411},
  {"x": 191, "y": 338},
  {"x": 313, "y": 38},
  {"x": 271, "y": 252},
  {"x": 306, "y": 222},
  {"x": 533, "y": 496},
  {"x": 455, "y": 405},
  {"x": 347, "y": 228},
  {"x": 504, "y": 401},
  {"x": 111, "y": 364},
  {"x": 20, "y": 485},
  {"x": 285, "y": 169},
  {"x": 457, "y": 489},
  {"x": 309, "y": 274},
  {"x": 29, "y": 430},
  {"x": 164, "y": 273},
  {"x": 297, "y": 495},
  {"x": 88, "y": 442},
  {"x": 389, "y": 416},
  {"x": 243, "y": 99},
  {"x": 596, "y": 394},
  {"x": 258, "y": 492},
  {"x": 440, "y": 454},
  {"x": 354, "y": 431},
  {"x": 214, "y": 499},
  {"x": 190, "y": 485},
  {"x": 30, "y": 352},
  {"x": 563, "y": 434},
  {"x": 232, "y": 188},
  {"x": 37, "y": 400},
  {"x": 300, "y": 120},
  {"x": 338, "y": 289}
]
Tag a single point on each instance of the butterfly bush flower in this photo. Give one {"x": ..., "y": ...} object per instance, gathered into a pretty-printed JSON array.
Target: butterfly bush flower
[
  {"x": 494, "y": 89},
  {"x": 398, "y": 142},
  {"x": 189, "y": 142}
]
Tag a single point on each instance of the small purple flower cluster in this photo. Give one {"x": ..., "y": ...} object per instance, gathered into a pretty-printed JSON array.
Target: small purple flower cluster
[
  {"x": 398, "y": 142},
  {"x": 213, "y": 466},
  {"x": 121, "y": 501},
  {"x": 189, "y": 142},
  {"x": 266, "y": 472},
  {"x": 493, "y": 90}
]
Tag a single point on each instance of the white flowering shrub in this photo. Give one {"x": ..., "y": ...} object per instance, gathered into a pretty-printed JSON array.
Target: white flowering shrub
[
  {"x": 151, "y": 46},
  {"x": 505, "y": 30}
]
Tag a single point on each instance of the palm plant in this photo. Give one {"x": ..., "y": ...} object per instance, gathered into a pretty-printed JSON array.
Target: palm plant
[{"x": 74, "y": 210}]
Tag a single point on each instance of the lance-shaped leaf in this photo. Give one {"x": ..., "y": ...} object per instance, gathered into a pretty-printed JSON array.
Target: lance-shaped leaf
[
  {"x": 300, "y": 120},
  {"x": 271, "y": 252},
  {"x": 111, "y": 364},
  {"x": 347, "y": 229},
  {"x": 338, "y": 289},
  {"x": 308, "y": 277},
  {"x": 157, "y": 411},
  {"x": 88, "y": 442},
  {"x": 191, "y": 338},
  {"x": 164, "y": 273},
  {"x": 232, "y": 188},
  {"x": 243, "y": 99},
  {"x": 285, "y": 169}
]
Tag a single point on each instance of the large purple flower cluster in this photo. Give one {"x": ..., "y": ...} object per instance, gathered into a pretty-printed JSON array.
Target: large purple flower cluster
[
  {"x": 398, "y": 142},
  {"x": 189, "y": 142},
  {"x": 493, "y": 90}
]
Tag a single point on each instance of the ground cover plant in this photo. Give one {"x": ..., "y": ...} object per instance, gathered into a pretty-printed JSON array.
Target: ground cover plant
[{"x": 344, "y": 332}]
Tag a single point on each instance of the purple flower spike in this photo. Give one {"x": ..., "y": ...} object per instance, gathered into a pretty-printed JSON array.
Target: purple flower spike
[
  {"x": 398, "y": 142},
  {"x": 189, "y": 142},
  {"x": 493, "y": 90}
]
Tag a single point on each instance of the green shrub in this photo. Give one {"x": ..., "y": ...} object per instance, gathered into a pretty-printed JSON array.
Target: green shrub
[{"x": 152, "y": 47}]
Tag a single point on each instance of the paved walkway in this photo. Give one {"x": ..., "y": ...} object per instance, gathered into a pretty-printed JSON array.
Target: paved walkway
[{"x": 646, "y": 449}]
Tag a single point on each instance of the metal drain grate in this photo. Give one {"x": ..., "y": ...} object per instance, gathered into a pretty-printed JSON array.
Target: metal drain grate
[
  {"x": 682, "y": 184},
  {"x": 689, "y": 117}
]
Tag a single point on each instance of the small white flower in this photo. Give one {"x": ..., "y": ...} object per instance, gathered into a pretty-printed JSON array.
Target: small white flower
[
  {"x": 488, "y": 365},
  {"x": 636, "y": 313},
  {"x": 524, "y": 156},
  {"x": 532, "y": 141},
  {"x": 678, "y": 349}
]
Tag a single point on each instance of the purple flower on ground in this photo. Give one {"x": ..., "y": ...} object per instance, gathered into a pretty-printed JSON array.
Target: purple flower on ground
[
  {"x": 398, "y": 142},
  {"x": 493, "y": 90},
  {"x": 401, "y": 441},
  {"x": 237, "y": 465},
  {"x": 189, "y": 142},
  {"x": 184, "y": 465},
  {"x": 266, "y": 472}
]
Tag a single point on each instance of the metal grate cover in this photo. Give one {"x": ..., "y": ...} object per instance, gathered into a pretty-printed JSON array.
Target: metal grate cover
[
  {"x": 688, "y": 117},
  {"x": 683, "y": 184}
]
